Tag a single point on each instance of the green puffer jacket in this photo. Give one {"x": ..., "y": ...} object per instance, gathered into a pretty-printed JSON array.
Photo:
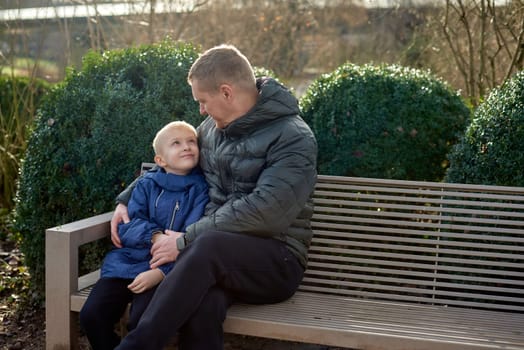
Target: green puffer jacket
[{"x": 261, "y": 171}]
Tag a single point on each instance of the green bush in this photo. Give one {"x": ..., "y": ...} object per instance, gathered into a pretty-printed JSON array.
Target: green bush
[
  {"x": 91, "y": 135},
  {"x": 18, "y": 102},
  {"x": 492, "y": 149},
  {"x": 383, "y": 122}
]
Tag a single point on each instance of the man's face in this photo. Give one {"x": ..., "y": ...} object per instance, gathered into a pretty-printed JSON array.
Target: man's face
[{"x": 212, "y": 104}]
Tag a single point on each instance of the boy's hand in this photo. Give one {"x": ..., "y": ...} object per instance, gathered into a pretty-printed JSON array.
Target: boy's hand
[{"x": 146, "y": 280}]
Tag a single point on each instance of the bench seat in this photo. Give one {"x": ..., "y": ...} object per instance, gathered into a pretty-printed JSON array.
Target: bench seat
[{"x": 367, "y": 324}]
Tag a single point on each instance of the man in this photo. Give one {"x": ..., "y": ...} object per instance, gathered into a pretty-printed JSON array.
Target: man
[{"x": 259, "y": 159}]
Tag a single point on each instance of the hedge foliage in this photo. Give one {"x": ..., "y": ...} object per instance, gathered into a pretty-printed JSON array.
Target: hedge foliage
[
  {"x": 93, "y": 132},
  {"x": 384, "y": 121},
  {"x": 492, "y": 149}
]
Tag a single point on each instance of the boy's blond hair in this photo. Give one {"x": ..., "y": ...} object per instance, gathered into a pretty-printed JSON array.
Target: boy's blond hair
[
  {"x": 160, "y": 135},
  {"x": 223, "y": 64}
]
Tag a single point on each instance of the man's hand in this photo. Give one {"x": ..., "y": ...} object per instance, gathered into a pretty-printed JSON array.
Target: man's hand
[
  {"x": 164, "y": 249},
  {"x": 119, "y": 215},
  {"x": 146, "y": 280}
]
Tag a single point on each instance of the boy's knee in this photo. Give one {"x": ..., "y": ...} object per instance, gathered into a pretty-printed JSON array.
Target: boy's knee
[
  {"x": 90, "y": 314},
  {"x": 86, "y": 317}
]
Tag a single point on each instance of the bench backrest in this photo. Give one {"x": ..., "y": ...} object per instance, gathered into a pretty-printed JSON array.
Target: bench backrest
[
  {"x": 146, "y": 166},
  {"x": 424, "y": 242}
]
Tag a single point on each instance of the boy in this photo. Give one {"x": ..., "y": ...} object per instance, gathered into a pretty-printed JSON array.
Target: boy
[{"x": 170, "y": 198}]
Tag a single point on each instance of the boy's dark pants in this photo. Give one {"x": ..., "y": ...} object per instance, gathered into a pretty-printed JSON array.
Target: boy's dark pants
[
  {"x": 215, "y": 270},
  {"x": 105, "y": 306}
]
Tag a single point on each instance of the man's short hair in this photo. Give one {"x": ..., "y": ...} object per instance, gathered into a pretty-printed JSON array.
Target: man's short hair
[{"x": 223, "y": 64}]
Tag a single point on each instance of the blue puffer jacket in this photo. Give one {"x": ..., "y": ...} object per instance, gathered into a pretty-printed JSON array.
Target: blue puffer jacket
[{"x": 159, "y": 201}]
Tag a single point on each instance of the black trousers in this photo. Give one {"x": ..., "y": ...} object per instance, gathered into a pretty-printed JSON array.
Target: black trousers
[
  {"x": 105, "y": 306},
  {"x": 215, "y": 270}
]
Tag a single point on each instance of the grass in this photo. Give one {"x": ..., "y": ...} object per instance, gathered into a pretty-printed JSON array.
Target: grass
[
  {"x": 24, "y": 67},
  {"x": 18, "y": 103}
]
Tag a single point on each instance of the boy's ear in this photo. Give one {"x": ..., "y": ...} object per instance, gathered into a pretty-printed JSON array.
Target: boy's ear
[{"x": 159, "y": 161}]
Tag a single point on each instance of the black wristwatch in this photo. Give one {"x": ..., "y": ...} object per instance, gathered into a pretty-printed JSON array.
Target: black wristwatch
[{"x": 181, "y": 242}]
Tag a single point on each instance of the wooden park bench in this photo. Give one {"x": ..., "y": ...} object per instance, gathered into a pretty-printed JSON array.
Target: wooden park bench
[{"x": 396, "y": 265}]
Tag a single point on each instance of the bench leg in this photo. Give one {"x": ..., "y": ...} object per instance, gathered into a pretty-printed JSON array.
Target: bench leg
[{"x": 60, "y": 280}]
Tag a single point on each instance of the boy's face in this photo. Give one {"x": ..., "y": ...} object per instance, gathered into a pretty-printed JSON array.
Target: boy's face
[{"x": 179, "y": 151}]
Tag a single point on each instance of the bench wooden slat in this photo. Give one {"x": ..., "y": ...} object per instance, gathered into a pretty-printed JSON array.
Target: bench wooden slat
[
  {"x": 503, "y": 249},
  {"x": 354, "y": 262},
  {"x": 384, "y": 279},
  {"x": 447, "y": 223},
  {"x": 443, "y": 235},
  {"x": 472, "y": 216},
  {"x": 426, "y": 204},
  {"x": 486, "y": 265},
  {"x": 413, "y": 213},
  {"x": 414, "y": 252},
  {"x": 343, "y": 182},
  {"x": 388, "y": 270},
  {"x": 431, "y": 289},
  {"x": 410, "y": 298},
  {"x": 366, "y": 184}
]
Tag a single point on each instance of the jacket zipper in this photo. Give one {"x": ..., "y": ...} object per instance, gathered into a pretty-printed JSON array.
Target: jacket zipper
[
  {"x": 158, "y": 198},
  {"x": 174, "y": 215}
]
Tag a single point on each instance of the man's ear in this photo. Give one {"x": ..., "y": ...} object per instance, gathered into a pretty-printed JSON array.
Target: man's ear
[{"x": 226, "y": 91}]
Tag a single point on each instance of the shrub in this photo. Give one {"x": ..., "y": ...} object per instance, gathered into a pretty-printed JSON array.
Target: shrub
[
  {"x": 492, "y": 149},
  {"x": 384, "y": 122},
  {"x": 18, "y": 101},
  {"x": 91, "y": 135}
]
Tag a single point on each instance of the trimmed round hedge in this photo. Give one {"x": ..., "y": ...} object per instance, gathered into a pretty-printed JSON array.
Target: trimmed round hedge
[
  {"x": 383, "y": 121},
  {"x": 492, "y": 149},
  {"x": 92, "y": 134}
]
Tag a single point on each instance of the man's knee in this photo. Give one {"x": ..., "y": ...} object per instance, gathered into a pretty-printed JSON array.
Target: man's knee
[{"x": 203, "y": 330}]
